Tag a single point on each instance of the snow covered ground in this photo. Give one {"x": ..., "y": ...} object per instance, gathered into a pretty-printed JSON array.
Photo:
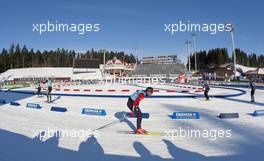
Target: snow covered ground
[
  {"x": 126, "y": 90},
  {"x": 25, "y": 133}
]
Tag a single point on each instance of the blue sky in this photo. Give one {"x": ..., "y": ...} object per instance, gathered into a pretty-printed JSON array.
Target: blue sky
[{"x": 129, "y": 24}]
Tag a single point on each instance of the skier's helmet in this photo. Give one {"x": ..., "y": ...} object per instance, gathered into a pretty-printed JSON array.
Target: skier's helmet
[{"x": 149, "y": 91}]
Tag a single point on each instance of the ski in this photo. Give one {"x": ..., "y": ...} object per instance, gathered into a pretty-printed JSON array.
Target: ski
[{"x": 146, "y": 134}]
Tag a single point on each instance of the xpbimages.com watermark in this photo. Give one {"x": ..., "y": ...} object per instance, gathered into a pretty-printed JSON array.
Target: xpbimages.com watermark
[
  {"x": 55, "y": 26},
  {"x": 180, "y": 132},
  {"x": 211, "y": 134},
  {"x": 211, "y": 28},
  {"x": 49, "y": 132}
]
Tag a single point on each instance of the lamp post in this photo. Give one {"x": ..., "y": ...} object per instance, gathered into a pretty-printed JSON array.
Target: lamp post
[
  {"x": 194, "y": 48},
  {"x": 234, "y": 50},
  {"x": 188, "y": 43},
  {"x": 136, "y": 55},
  {"x": 104, "y": 63}
]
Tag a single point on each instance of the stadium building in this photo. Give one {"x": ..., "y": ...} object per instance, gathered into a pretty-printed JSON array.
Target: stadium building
[
  {"x": 90, "y": 70},
  {"x": 159, "y": 66}
]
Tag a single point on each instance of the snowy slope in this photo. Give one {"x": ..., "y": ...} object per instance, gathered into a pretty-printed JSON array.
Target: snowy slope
[{"x": 46, "y": 72}]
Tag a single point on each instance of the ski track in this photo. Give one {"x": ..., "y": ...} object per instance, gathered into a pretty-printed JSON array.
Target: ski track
[{"x": 247, "y": 131}]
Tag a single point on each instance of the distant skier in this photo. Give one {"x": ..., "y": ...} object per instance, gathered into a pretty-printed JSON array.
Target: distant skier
[
  {"x": 253, "y": 88},
  {"x": 206, "y": 90},
  {"x": 49, "y": 85},
  {"x": 38, "y": 88},
  {"x": 133, "y": 105}
]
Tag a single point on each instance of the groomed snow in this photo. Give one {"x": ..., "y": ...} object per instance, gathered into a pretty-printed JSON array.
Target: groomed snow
[{"x": 17, "y": 125}]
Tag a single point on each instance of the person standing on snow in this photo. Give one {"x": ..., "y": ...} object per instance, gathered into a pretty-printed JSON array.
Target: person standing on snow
[
  {"x": 38, "y": 88},
  {"x": 253, "y": 88},
  {"x": 49, "y": 85},
  {"x": 133, "y": 105},
  {"x": 206, "y": 90}
]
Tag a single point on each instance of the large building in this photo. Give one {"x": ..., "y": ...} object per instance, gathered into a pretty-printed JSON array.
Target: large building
[
  {"x": 116, "y": 67},
  {"x": 163, "y": 59},
  {"x": 85, "y": 65},
  {"x": 161, "y": 66}
]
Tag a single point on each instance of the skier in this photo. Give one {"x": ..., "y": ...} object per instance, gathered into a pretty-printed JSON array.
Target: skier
[
  {"x": 49, "y": 85},
  {"x": 253, "y": 88},
  {"x": 38, "y": 88},
  {"x": 133, "y": 105},
  {"x": 206, "y": 90}
]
